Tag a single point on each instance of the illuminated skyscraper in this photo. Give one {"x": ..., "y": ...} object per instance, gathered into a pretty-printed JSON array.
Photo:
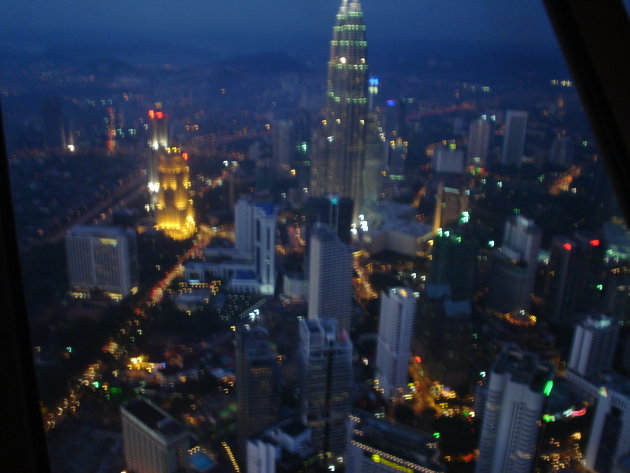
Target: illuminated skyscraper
[
  {"x": 594, "y": 345},
  {"x": 339, "y": 164},
  {"x": 518, "y": 387},
  {"x": 174, "y": 210},
  {"x": 159, "y": 140}
]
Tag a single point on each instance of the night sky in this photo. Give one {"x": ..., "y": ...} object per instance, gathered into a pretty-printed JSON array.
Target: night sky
[{"x": 254, "y": 25}]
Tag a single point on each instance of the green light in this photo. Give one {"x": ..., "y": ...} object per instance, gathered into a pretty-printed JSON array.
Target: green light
[
  {"x": 548, "y": 418},
  {"x": 96, "y": 384},
  {"x": 436, "y": 435},
  {"x": 452, "y": 146},
  {"x": 491, "y": 243},
  {"x": 334, "y": 201},
  {"x": 600, "y": 287},
  {"x": 548, "y": 388}
]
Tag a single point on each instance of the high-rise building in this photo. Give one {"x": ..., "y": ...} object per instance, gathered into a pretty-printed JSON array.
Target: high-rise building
[
  {"x": 393, "y": 349},
  {"x": 326, "y": 385},
  {"x": 153, "y": 441},
  {"x": 173, "y": 203},
  {"x": 608, "y": 446},
  {"x": 594, "y": 345},
  {"x": 561, "y": 151},
  {"x": 448, "y": 160},
  {"x": 514, "y": 137},
  {"x": 257, "y": 384},
  {"x": 283, "y": 144},
  {"x": 514, "y": 266},
  {"x": 478, "y": 142},
  {"x": 256, "y": 239},
  {"x": 101, "y": 257},
  {"x": 339, "y": 165},
  {"x": 330, "y": 277},
  {"x": 450, "y": 203},
  {"x": 517, "y": 390},
  {"x": 453, "y": 262},
  {"x": 331, "y": 210},
  {"x": 573, "y": 284},
  {"x": 158, "y": 125},
  {"x": 379, "y": 446},
  {"x": 375, "y": 155}
]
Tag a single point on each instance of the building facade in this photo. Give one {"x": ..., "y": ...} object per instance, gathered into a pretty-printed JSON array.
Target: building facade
[
  {"x": 101, "y": 257},
  {"x": 516, "y": 394},
  {"x": 393, "y": 349},
  {"x": 330, "y": 277},
  {"x": 326, "y": 384},
  {"x": 514, "y": 138},
  {"x": 153, "y": 441}
]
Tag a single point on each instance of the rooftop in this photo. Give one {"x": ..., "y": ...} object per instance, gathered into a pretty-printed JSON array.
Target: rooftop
[{"x": 154, "y": 417}]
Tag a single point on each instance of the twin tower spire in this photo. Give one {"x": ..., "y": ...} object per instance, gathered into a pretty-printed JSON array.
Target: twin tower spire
[{"x": 339, "y": 147}]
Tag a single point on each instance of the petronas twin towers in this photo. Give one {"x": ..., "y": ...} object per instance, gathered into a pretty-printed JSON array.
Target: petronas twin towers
[{"x": 339, "y": 157}]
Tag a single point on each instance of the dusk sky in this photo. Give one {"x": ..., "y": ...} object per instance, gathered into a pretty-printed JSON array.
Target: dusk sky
[{"x": 257, "y": 25}]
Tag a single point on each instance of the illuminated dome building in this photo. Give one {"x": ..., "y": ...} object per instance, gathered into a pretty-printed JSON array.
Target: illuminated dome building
[{"x": 174, "y": 207}]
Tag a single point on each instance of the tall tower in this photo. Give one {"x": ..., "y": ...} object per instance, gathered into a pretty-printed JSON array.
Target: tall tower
[
  {"x": 518, "y": 386},
  {"x": 330, "y": 278},
  {"x": 395, "y": 327},
  {"x": 174, "y": 209},
  {"x": 573, "y": 281},
  {"x": 478, "y": 142},
  {"x": 514, "y": 137},
  {"x": 339, "y": 166},
  {"x": 158, "y": 122},
  {"x": 326, "y": 357},
  {"x": 257, "y": 384}
]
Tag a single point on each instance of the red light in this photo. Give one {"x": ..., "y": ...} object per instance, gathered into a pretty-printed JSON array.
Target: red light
[
  {"x": 418, "y": 359},
  {"x": 594, "y": 242},
  {"x": 185, "y": 156},
  {"x": 567, "y": 246},
  {"x": 151, "y": 114},
  {"x": 159, "y": 115}
]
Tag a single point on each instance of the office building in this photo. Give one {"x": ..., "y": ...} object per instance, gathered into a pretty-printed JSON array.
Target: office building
[
  {"x": 514, "y": 266},
  {"x": 326, "y": 384},
  {"x": 450, "y": 204},
  {"x": 283, "y": 144},
  {"x": 574, "y": 279},
  {"x": 256, "y": 239},
  {"x": 444, "y": 334},
  {"x": 517, "y": 390},
  {"x": 561, "y": 151},
  {"x": 330, "y": 210},
  {"x": 478, "y": 142},
  {"x": 282, "y": 448},
  {"x": 103, "y": 258},
  {"x": 594, "y": 345},
  {"x": 379, "y": 446},
  {"x": 330, "y": 277},
  {"x": 514, "y": 138},
  {"x": 153, "y": 441},
  {"x": 393, "y": 349},
  {"x": 453, "y": 261},
  {"x": 375, "y": 155},
  {"x": 338, "y": 165},
  {"x": 257, "y": 385},
  {"x": 397, "y": 159},
  {"x": 448, "y": 160}
]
